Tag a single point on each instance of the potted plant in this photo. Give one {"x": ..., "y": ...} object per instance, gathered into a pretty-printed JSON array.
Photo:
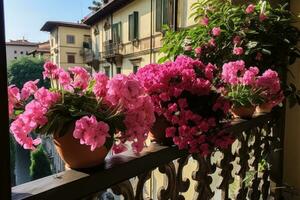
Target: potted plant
[
  {"x": 187, "y": 102},
  {"x": 247, "y": 90},
  {"x": 259, "y": 34},
  {"x": 85, "y": 115}
]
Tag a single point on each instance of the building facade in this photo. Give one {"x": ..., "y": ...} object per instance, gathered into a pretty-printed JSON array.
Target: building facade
[
  {"x": 127, "y": 34},
  {"x": 18, "y": 48},
  {"x": 66, "y": 42}
]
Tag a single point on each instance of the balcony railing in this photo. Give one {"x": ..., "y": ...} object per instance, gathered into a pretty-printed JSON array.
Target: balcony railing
[
  {"x": 112, "y": 49},
  {"x": 241, "y": 172}
]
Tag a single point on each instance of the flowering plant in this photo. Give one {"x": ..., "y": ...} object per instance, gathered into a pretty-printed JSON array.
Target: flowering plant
[
  {"x": 243, "y": 87},
  {"x": 102, "y": 111},
  {"x": 183, "y": 93},
  {"x": 259, "y": 34}
]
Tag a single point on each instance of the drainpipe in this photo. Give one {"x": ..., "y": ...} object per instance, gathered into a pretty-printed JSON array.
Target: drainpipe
[{"x": 151, "y": 31}]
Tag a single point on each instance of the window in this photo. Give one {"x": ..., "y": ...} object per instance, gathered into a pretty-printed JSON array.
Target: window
[
  {"x": 135, "y": 69},
  {"x": 71, "y": 58},
  {"x": 107, "y": 71},
  {"x": 164, "y": 14},
  {"x": 133, "y": 26},
  {"x": 15, "y": 52},
  {"x": 70, "y": 39},
  {"x": 117, "y": 32},
  {"x": 119, "y": 70},
  {"x": 21, "y": 52}
]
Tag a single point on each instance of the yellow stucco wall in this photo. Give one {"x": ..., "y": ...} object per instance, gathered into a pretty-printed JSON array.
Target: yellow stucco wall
[
  {"x": 59, "y": 42},
  {"x": 292, "y": 131}
]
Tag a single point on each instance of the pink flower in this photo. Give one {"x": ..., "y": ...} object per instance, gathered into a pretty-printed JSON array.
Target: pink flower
[
  {"x": 250, "y": 9},
  {"x": 237, "y": 40},
  {"x": 124, "y": 90},
  {"x": 249, "y": 77},
  {"x": 28, "y": 89},
  {"x": 209, "y": 71},
  {"x": 212, "y": 42},
  {"x": 100, "y": 89},
  {"x": 238, "y": 51},
  {"x": 231, "y": 71},
  {"x": 216, "y": 31},
  {"x": 119, "y": 148},
  {"x": 64, "y": 79},
  {"x": 170, "y": 131},
  {"x": 81, "y": 77},
  {"x": 49, "y": 69},
  {"x": 32, "y": 118},
  {"x": 91, "y": 132},
  {"x": 198, "y": 50},
  {"x": 14, "y": 98},
  {"x": 262, "y": 17},
  {"x": 270, "y": 82},
  {"x": 204, "y": 21},
  {"x": 46, "y": 98}
]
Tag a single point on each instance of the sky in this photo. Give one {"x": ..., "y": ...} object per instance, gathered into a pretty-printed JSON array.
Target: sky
[{"x": 24, "y": 18}]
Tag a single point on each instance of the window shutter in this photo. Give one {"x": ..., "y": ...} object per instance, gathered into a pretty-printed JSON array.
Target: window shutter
[
  {"x": 159, "y": 15},
  {"x": 136, "y": 25},
  {"x": 165, "y": 11},
  {"x": 115, "y": 33},
  {"x": 131, "y": 27}
]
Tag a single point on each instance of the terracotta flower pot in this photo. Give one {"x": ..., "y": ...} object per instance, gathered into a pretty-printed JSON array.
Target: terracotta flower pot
[
  {"x": 264, "y": 108},
  {"x": 158, "y": 131},
  {"x": 76, "y": 155},
  {"x": 243, "y": 112}
]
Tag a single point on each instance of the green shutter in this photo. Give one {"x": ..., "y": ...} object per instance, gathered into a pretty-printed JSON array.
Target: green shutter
[
  {"x": 136, "y": 25},
  {"x": 117, "y": 32},
  {"x": 165, "y": 11},
  {"x": 131, "y": 27},
  {"x": 158, "y": 15}
]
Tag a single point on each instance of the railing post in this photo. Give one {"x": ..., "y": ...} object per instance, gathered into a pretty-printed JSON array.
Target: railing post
[{"x": 5, "y": 186}]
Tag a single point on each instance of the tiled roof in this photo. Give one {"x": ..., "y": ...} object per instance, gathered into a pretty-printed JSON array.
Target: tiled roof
[
  {"x": 107, "y": 9},
  {"x": 21, "y": 43},
  {"x": 43, "y": 47},
  {"x": 50, "y": 25}
]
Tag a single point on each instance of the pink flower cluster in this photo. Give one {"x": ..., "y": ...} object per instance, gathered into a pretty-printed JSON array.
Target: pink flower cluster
[
  {"x": 175, "y": 87},
  {"x": 137, "y": 106},
  {"x": 34, "y": 115},
  {"x": 234, "y": 73},
  {"x": 270, "y": 83},
  {"x": 91, "y": 132},
  {"x": 75, "y": 78},
  {"x": 122, "y": 96}
]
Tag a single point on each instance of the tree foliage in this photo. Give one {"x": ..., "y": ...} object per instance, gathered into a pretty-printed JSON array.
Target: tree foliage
[
  {"x": 97, "y": 4},
  {"x": 25, "y": 69},
  {"x": 40, "y": 165}
]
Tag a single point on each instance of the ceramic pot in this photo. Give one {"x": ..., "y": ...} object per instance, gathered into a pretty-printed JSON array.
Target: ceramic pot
[
  {"x": 158, "y": 130},
  {"x": 243, "y": 112},
  {"x": 76, "y": 155},
  {"x": 264, "y": 108}
]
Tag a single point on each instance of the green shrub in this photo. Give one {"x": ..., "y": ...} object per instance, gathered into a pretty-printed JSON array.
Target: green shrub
[
  {"x": 25, "y": 69},
  {"x": 40, "y": 165}
]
